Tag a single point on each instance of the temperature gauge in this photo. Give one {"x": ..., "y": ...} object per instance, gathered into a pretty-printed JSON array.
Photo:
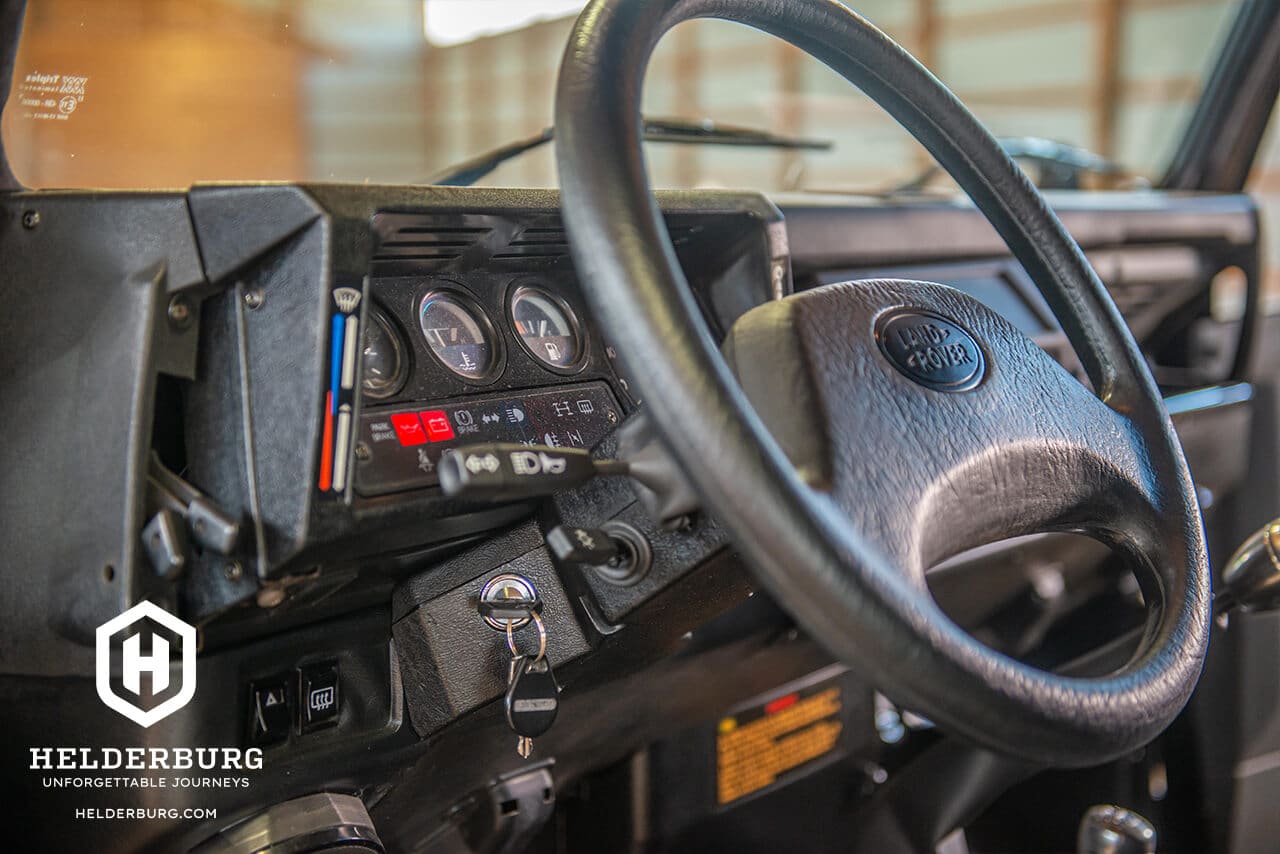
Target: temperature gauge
[
  {"x": 547, "y": 327},
  {"x": 459, "y": 334}
]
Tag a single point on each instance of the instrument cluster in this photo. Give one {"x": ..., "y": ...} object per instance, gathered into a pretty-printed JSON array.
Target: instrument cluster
[
  {"x": 476, "y": 356},
  {"x": 463, "y": 340}
]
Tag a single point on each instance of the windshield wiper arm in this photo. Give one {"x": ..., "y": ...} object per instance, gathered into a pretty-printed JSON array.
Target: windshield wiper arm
[
  {"x": 1063, "y": 166},
  {"x": 709, "y": 132},
  {"x": 704, "y": 132}
]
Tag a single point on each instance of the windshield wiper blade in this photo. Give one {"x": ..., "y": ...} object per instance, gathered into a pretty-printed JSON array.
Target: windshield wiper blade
[
  {"x": 1063, "y": 166},
  {"x": 682, "y": 131},
  {"x": 709, "y": 132}
]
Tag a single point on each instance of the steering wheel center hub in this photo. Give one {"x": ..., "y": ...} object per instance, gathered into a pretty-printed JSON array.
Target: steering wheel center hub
[{"x": 935, "y": 352}]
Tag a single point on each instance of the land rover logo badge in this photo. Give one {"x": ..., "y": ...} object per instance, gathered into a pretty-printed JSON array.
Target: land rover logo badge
[{"x": 933, "y": 351}]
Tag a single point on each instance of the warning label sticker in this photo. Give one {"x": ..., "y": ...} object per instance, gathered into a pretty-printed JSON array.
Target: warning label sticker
[
  {"x": 50, "y": 97},
  {"x": 762, "y": 743}
]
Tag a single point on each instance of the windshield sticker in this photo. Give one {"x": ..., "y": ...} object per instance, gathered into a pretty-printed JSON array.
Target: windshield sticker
[{"x": 51, "y": 97}]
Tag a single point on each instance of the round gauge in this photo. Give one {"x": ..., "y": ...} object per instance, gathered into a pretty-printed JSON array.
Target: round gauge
[
  {"x": 547, "y": 327},
  {"x": 458, "y": 333},
  {"x": 384, "y": 361}
]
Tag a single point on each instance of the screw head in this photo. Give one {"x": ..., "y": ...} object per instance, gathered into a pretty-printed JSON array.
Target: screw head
[
  {"x": 234, "y": 570},
  {"x": 179, "y": 312},
  {"x": 30, "y": 219},
  {"x": 253, "y": 299},
  {"x": 362, "y": 452}
]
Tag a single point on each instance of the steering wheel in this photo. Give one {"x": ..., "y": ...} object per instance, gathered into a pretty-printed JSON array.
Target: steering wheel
[{"x": 852, "y": 436}]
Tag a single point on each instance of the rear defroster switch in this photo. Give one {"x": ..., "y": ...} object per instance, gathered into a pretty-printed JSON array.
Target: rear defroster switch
[{"x": 319, "y": 695}]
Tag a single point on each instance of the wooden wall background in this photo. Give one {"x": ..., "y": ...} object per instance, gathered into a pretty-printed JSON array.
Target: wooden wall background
[{"x": 188, "y": 90}]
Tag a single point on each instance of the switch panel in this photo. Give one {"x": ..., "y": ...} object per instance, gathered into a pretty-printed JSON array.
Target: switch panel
[{"x": 401, "y": 450}]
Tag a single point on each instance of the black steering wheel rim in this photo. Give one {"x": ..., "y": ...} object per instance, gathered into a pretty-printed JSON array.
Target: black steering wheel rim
[{"x": 803, "y": 551}]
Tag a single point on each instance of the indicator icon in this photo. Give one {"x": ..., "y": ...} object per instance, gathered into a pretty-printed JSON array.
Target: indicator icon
[
  {"x": 476, "y": 463},
  {"x": 346, "y": 299},
  {"x": 437, "y": 423},
  {"x": 408, "y": 428},
  {"x": 525, "y": 462},
  {"x": 552, "y": 465},
  {"x": 515, "y": 414},
  {"x": 321, "y": 698}
]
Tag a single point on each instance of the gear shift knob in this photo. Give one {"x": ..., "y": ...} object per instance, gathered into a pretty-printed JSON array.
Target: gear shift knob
[
  {"x": 1107, "y": 829},
  {"x": 1252, "y": 577}
]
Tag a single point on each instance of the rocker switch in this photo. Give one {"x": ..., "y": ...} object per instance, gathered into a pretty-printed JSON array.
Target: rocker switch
[{"x": 318, "y": 695}]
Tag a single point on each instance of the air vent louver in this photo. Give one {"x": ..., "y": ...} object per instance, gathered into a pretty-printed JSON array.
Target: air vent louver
[
  {"x": 412, "y": 244},
  {"x": 425, "y": 246}
]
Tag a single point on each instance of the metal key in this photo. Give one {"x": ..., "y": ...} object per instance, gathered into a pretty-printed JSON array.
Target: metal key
[{"x": 532, "y": 700}]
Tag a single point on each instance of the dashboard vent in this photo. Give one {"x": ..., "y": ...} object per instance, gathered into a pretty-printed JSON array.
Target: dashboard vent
[
  {"x": 410, "y": 244},
  {"x": 552, "y": 243},
  {"x": 414, "y": 243},
  {"x": 536, "y": 242}
]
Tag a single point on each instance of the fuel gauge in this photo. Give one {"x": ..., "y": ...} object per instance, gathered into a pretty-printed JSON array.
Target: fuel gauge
[{"x": 547, "y": 327}]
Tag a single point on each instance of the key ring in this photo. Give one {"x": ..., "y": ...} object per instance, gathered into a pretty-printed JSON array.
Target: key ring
[{"x": 542, "y": 638}]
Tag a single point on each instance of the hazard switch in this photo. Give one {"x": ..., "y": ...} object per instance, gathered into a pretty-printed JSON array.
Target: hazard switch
[{"x": 271, "y": 711}]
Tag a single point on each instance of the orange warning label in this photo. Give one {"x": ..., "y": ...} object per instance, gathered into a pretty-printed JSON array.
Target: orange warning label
[{"x": 759, "y": 745}]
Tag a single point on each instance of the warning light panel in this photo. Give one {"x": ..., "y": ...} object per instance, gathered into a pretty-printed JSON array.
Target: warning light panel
[{"x": 397, "y": 450}]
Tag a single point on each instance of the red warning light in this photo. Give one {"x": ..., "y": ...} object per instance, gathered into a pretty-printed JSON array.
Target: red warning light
[{"x": 774, "y": 706}]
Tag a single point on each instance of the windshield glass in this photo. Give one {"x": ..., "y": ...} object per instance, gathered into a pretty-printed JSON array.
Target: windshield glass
[{"x": 163, "y": 93}]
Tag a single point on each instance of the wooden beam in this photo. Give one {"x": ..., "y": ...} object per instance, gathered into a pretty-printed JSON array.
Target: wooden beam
[
  {"x": 926, "y": 50},
  {"x": 1104, "y": 106},
  {"x": 926, "y": 34},
  {"x": 482, "y": 93},
  {"x": 789, "y": 64}
]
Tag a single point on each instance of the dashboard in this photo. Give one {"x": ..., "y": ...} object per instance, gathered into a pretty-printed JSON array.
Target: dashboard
[
  {"x": 453, "y": 320},
  {"x": 299, "y": 360},
  {"x": 324, "y": 346}
]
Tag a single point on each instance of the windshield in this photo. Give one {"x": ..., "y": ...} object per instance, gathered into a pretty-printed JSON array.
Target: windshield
[{"x": 163, "y": 93}]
